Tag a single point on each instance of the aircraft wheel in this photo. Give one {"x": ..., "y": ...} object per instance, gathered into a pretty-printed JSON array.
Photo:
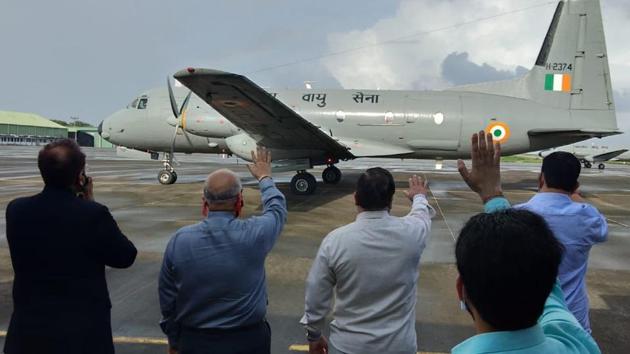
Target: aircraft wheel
[
  {"x": 588, "y": 165},
  {"x": 331, "y": 175},
  {"x": 303, "y": 183},
  {"x": 167, "y": 177},
  {"x": 601, "y": 166}
]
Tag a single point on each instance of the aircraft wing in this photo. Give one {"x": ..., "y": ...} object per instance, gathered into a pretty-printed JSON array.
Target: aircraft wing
[
  {"x": 259, "y": 114},
  {"x": 605, "y": 156}
]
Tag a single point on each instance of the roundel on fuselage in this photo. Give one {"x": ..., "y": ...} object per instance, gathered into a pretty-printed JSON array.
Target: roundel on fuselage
[{"x": 500, "y": 131}]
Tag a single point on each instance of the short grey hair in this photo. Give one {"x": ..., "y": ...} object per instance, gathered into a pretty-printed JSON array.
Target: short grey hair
[{"x": 224, "y": 196}]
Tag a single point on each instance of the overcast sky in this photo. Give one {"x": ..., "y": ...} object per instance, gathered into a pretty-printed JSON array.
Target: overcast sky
[{"x": 89, "y": 58}]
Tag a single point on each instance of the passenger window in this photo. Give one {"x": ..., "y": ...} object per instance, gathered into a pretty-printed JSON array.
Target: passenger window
[{"x": 142, "y": 104}]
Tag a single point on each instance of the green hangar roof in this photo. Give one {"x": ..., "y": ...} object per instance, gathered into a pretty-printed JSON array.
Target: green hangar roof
[{"x": 27, "y": 119}]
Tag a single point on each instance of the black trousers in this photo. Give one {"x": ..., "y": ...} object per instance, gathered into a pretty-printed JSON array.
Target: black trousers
[{"x": 254, "y": 339}]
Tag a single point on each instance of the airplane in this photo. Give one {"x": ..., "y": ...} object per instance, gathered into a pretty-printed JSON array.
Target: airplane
[
  {"x": 565, "y": 98},
  {"x": 592, "y": 154}
]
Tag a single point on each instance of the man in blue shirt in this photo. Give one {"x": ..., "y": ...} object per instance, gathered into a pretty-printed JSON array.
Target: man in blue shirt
[
  {"x": 212, "y": 284},
  {"x": 508, "y": 261},
  {"x": 576, "y": 224}
]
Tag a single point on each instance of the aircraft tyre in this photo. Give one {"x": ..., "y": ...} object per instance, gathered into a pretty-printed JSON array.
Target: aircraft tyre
[
  {"x": 331, "y": 175},
  {"x": 167, "y": 177},
  {"x": 601, "y": 166},
  {"x": 587, "y": 164},
  {"x": 303, "y": 183}
]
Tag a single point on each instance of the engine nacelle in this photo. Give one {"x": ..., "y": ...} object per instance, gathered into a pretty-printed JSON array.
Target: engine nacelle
[
  {"x": 241, "y": 145},
  {"x": 208, "y": 126}
]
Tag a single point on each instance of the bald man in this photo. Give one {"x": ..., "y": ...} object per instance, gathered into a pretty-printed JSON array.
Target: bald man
[{"x": 212, "y": 285}]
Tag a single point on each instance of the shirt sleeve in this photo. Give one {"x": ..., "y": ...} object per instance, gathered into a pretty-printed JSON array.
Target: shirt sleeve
[
  {"x": 271, "y": 222},
  {"x": 167, "y": 290},
  {"x": 598, "y": 227},
  {"x": 113, "y": 246},
  {"x": 420, "y": 214},
  {"x": 559, "y": 322},
  {"x": 496, "y": 204},
  {"x": 319, "y": 291}
]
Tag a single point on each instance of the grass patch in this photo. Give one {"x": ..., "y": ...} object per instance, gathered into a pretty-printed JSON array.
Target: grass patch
[{"x": 521, "y": 159}]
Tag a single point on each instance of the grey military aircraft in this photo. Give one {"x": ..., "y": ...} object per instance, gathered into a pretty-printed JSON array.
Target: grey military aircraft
[
  {"x": 590, "y": 154},
  {"x": 566, "y": 97}
]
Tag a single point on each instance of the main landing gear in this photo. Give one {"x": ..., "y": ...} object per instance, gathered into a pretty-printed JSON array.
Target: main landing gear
[
  {"x": 304, "y": 183},
  {"x": 587, "y": 164},
  {"x": 167, "y": 175},
  {"x": 601, "y": 166},
  {"x": 331, "y": 175}
]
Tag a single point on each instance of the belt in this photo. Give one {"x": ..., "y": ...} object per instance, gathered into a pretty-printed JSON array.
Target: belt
[{"x": 225, "y": 330}]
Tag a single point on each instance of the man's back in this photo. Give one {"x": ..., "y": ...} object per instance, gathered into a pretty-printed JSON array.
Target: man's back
[
  {"x": 373, "y": 265},
  {"x": 219, "y": 262},
  {"x": 577, "y": 226},
  {"x": 59, "y": 247}
]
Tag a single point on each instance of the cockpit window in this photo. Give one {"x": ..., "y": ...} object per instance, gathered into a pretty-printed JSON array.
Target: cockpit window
[
  {"x": 142, "y": 104},
  {"x": 133, "y": 104}
]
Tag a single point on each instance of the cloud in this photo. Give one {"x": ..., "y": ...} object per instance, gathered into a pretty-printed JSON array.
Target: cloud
[
  {"x": 407, "y": 50},
  {"x": 457, "y": 69},
  {"x": 622, "y": 100}
]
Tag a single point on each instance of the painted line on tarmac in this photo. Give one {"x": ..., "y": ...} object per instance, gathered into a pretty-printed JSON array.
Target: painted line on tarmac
[
  {"x": 443, "y": 215},
  {"x": 304, "y": 348},
  {"x": 127, "y": 340},
  {"x": 618, "y": 223}
]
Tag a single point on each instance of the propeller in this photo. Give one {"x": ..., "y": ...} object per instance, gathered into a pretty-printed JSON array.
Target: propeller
[{"x": 177, "y": 113}]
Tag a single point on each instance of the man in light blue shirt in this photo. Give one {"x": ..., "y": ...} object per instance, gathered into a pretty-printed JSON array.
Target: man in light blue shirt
[
  {"x": 212, "y": 284},
  {"x": 508, "y": 261},
  {"x": 576, "y": 224}
]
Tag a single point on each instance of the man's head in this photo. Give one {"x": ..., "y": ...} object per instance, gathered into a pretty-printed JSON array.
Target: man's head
[
  {"x": 508, "y": 262},
  {"x": 222, "y": 192},
  {"x": 61, "y": 163},
  {"x": 375, "y": 189},
  {"x": 560, "y": 170}
]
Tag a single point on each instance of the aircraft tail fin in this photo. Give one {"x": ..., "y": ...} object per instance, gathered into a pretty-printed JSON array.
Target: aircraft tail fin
[{"x": 571, "y": 71}]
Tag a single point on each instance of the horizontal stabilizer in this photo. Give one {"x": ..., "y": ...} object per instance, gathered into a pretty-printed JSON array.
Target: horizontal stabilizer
[
  {"x": 589, "y": 133},
  {"x": 606, "y": 156}
]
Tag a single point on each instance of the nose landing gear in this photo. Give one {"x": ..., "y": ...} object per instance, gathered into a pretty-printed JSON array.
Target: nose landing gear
[{"x": 168, "y": 174}]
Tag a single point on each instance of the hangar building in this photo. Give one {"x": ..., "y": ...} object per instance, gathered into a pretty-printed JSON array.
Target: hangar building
[{"x": 28, "y": 129}]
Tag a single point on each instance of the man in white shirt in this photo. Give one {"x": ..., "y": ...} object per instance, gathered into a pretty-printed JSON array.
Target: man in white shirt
[{"x": 372, "y": 264}]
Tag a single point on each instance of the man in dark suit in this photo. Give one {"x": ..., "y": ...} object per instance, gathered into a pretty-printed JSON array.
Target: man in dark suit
[{"x": 60, "y": 242}]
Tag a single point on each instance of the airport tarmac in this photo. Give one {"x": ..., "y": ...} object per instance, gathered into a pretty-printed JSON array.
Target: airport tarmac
[{"x": 149, "y": 213}]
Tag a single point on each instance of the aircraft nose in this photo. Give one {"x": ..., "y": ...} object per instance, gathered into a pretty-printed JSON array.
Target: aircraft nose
[{"x": 104, "y": 132}]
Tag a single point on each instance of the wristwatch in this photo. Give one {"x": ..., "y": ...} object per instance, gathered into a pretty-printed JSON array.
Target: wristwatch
[{"x": 312, "y": 334}]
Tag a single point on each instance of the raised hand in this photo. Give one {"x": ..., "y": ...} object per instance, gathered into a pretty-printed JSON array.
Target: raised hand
[
  {"x": 485, "y": 175},
  {"x": 417, "y": 185},
  {"x": 261, "y": 163}
]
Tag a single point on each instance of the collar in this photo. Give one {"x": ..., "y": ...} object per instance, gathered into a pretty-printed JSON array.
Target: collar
[
  {"x": 551, "y": 195},
  {"x": 220, "y": 215},
  {"x": 503, "y": 341},
  {"x": 59, "y": 191},
  {"x": 374, "y": 214}
]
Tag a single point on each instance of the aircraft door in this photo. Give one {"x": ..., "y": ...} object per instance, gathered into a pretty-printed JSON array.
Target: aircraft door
[{"x": 433, "y": 121}]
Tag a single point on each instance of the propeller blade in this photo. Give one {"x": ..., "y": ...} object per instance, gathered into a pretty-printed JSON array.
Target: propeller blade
[
  {"x": 185, "y": 103},
  {"x": 172, "y": 98},
  {"x": 174, "y": 137}
]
